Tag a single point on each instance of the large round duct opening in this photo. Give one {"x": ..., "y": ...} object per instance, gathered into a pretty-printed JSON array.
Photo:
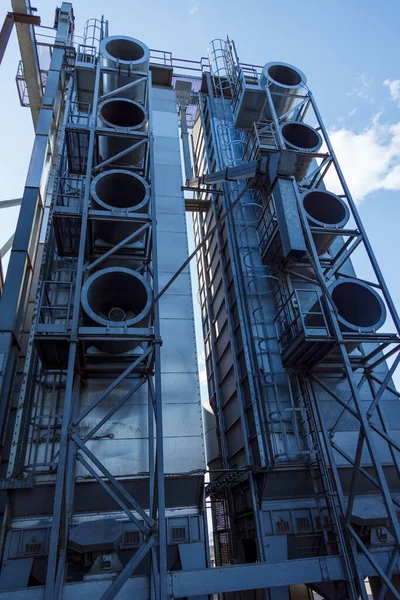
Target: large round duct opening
[
  {"x": 301, "y": 137},
  {"x": 122, "y": 112},
  {"x": 125, "y": 50},
  {"x": 359, "y": 307},
  {"x": 116, "y": 296},
  {"x": 325, "y": 209},
  {"x": 284, "y": 75},
  {"x": 123, "y": 56},
  {"x": 120, "y": 189},
  {"x": 285, "y": 84}
]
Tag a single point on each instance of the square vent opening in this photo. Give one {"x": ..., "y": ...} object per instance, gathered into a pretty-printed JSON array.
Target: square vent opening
[
  {"x": 302, "y": 524},
  {"x": 282, "y": 526},
  {"x": 132, "y": 538},
  {"x": 178, "y": 534},
  {"x": 33, "y": 548}
]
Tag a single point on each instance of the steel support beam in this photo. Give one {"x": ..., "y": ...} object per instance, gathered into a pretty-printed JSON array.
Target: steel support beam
[
  {"x": 181, "y": 584},
  {"x": 25, "y": 246},
  {"x": 7, "y": 246},
  {"x": 29, "y": 56},
  {"x": 5, "y": 34},
  {"x": 6, "y": 30},
  {"x": 10, "y": 203},
  {"x": 244, "y": 171}
]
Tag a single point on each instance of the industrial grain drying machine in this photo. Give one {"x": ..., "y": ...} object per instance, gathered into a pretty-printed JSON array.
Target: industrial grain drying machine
[{"x": 103, "y": 491}]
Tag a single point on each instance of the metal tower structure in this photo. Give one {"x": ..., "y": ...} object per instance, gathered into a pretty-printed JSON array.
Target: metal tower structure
[
  {"x": 103, "y": 467},
  {"x": 296, "y": 360},
  {"x": 97, "y": 488}
]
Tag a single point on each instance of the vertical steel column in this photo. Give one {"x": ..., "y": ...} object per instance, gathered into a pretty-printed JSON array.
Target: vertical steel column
[{"x": 23, "y": 254}]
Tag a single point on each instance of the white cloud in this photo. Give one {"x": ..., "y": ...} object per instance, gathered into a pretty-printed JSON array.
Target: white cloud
[
  {"x": 394, "y": 89},
  {"x": 362, "y": 89},
  {"x": 194, "y": 10},
  {"x": 370, "y": 159}
]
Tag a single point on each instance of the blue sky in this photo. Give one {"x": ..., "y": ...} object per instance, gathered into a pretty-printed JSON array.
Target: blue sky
[{"x": 349, "y": 50}]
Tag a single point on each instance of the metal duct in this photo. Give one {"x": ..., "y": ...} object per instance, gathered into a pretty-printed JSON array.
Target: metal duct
[
  {"x": 99, "y": 535},
  {"x": 125, "y": 54},
  {"x": 121, "y": 192},
  {"x": 116, "y": 297},
  {"x": 359, "y": 306},
  {"x": 284, "y": 82},
  {"x": 124, "y": 116},
  {"x": 305, "y": 140},
  {"x": 325, "y": 210}
]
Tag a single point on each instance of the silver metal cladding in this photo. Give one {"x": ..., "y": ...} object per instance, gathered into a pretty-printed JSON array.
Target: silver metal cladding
[
  {"x": 359, "y": 306},
  {"x": 285, "y": 83},
  {"x": 116, "y": 297},
  {"x": 124, "y": 116},
  {"x": 125, "y": 54},
  {"x": 325, "y": 210}
]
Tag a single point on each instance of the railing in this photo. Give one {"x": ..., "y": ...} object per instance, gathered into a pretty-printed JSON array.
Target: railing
[
  {"x": 43, "y": 434},
  {"x": 242, "y": 76},
  {"x": 79, "y": 113},
  {"x": 22, "y": 88},
  {"x": 94, "y": 31},
  {"x": 55, "y": 303},
  {"x": 86, "y": 54},
  {"x": 302, "y": 312},
  {"x": 267, "y": 224},
  {"x": 262, "y": 139},
  {"x": 69, "y": 192}
]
